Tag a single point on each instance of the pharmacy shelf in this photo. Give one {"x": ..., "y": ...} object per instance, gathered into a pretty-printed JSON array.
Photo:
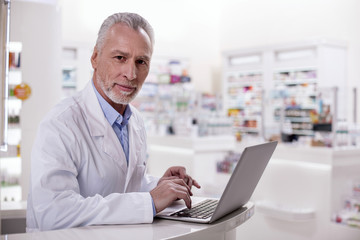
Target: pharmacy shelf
[
  {"x": 10, "y": 160},
  {"x": 292, "y": 75}
]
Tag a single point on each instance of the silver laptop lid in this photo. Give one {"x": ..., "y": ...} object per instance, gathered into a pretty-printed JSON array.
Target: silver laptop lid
[{"x": 244, "y": 179}]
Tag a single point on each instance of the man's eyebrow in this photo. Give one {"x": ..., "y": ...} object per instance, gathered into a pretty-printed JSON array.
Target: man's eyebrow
[
  {"x": 118, "y": 52},
  {"x": 145, "y": 58},
  {"x": 125, "y": 54}
]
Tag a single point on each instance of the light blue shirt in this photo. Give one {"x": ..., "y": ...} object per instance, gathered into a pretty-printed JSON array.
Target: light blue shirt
[{"x": 117, "y": 121}]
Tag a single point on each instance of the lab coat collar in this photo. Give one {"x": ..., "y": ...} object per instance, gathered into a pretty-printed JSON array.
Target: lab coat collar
[
  {"x": 110, "y": 113},
  {"x": 95, "y": 117}
]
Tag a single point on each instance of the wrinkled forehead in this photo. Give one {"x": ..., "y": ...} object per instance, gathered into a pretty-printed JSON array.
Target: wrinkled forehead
[
  {"x": 121, "y": 32},
  {"x": 130, "y": 42}
]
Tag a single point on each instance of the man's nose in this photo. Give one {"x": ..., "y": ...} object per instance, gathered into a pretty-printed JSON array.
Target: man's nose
[{"x": 130, "y": 70}]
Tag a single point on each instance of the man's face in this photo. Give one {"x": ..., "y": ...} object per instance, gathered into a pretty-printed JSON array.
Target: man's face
[{"x": 122, "y": 64}]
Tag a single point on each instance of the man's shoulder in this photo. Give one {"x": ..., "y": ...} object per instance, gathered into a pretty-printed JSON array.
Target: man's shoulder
[{"x": 64, "y": 110}]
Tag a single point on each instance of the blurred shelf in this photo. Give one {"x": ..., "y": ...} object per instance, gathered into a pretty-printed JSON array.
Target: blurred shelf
[
  {"x": 69, "y": 84},
  {"x": 296, "y": 81}
]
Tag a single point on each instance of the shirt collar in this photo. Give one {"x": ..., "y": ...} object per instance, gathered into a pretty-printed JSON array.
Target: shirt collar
[{"x": 110, "y": 113}]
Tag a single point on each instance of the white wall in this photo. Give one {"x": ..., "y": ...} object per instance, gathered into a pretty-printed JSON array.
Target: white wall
[
  {"x": 183, "y": 28},
  {"x": 200, "y": 30}
]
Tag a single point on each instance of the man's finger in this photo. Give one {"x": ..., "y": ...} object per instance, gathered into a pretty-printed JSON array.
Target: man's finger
[
  {"x": 189, "y": 182},
  {"x": 195, "y": 183}
]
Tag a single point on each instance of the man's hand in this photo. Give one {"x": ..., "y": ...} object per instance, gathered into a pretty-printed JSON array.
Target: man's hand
[
  {"x": 180, "y": 172},
  {"x": 169, "y": 190},
  {"x": 175, "y": 184}
]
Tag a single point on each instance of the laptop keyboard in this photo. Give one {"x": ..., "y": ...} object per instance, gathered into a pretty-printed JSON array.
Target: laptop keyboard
[{"x": 201, "y": 210}]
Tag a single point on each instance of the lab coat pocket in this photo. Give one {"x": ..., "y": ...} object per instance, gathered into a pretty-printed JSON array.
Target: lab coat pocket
[
  {"x": 140, "y": 170},
  {"x": 136, "y": 178}
]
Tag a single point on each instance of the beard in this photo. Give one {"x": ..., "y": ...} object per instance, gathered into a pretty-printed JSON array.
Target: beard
[{"x": 122, "y": 98}]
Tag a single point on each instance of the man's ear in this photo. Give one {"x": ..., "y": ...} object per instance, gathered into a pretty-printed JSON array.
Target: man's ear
[{"x": 94, "y": 58}]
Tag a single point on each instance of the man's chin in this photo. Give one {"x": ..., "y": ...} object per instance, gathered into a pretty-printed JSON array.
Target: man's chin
[{"x": 124, "y": 100}]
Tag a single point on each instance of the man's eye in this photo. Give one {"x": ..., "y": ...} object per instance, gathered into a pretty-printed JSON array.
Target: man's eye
[
  {"x": 120, "y": 58},
  {"x": 141, "y": 62}
]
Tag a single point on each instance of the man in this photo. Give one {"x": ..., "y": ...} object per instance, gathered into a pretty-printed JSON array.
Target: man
[{"x": 89, "y": 157}]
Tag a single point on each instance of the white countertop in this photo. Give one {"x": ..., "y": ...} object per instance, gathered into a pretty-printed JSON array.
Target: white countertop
[
  {"x": 159, "y": 229},
  {"x": 321, "y": 155},
  {"x": 339, "y": 156}
]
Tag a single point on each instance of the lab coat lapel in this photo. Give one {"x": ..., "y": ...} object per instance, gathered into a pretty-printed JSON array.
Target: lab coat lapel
[
  {"x": 99, "y": 127},
  {"x": 134, "y": 148}
]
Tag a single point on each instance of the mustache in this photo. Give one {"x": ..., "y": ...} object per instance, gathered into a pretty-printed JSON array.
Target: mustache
[{"x": 126, "y": 84}]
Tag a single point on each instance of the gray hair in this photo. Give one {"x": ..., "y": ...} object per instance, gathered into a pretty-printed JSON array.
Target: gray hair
[{"x": 132, "y": 20}]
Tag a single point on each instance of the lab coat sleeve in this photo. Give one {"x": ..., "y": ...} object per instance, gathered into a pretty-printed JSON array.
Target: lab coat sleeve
[{"x": 56, "y": 201}]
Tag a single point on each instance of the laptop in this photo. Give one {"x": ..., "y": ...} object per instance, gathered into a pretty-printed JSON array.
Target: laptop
[{"x": 237, "y": 193}]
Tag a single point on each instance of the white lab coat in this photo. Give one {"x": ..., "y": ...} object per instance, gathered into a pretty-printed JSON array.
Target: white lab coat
[{"x": 79, "y": 172}]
